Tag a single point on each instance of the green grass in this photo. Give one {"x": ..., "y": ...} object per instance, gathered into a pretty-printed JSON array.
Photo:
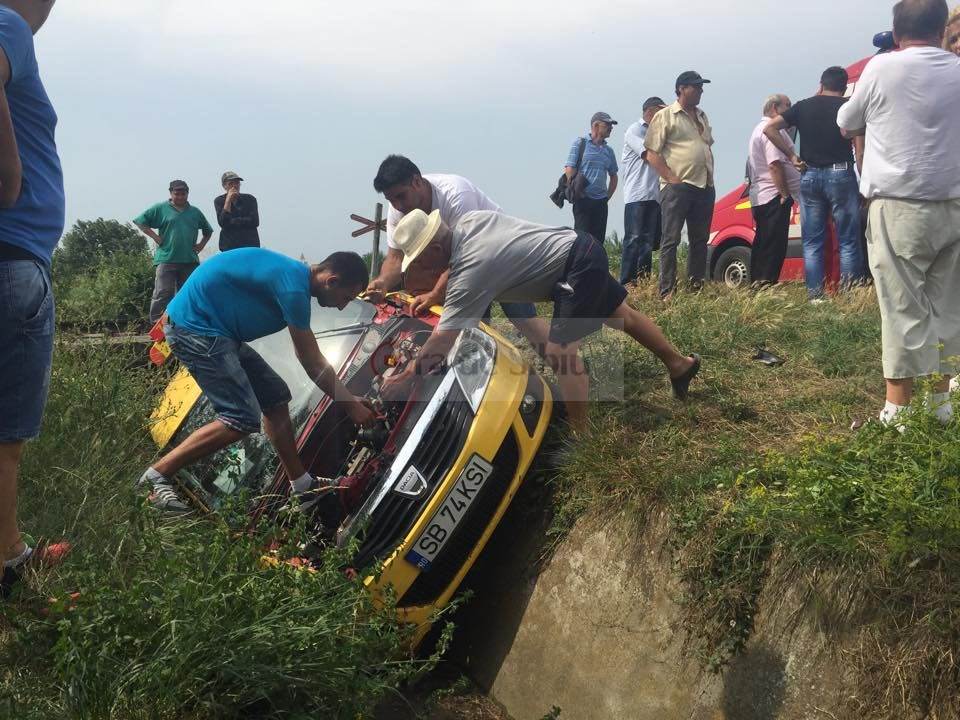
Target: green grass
[
  {"x": 173, "y": 620},
  {"x": 768, "y": 488}
]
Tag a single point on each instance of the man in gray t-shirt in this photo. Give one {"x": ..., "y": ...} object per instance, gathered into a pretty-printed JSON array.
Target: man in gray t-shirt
[{"x": 498, "y": 257}]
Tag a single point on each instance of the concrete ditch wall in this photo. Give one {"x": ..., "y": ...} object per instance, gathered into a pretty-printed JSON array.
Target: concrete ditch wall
[{"x": 598, "y": 633}]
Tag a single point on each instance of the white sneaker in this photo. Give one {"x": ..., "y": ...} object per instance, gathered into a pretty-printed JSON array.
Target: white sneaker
[
  {"x": 161, "y": 493},
  {"x": 306, "y": 500}
]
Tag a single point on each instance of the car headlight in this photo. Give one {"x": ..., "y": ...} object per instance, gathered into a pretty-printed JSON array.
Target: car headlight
[{"x": 471, "y": 359}]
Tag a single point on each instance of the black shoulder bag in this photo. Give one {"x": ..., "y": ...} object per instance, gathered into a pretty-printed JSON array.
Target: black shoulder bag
[{"x": 571, "y": 190}]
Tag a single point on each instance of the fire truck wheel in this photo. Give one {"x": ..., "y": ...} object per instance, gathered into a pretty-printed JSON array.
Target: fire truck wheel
[{"x": 733, "y": 267}]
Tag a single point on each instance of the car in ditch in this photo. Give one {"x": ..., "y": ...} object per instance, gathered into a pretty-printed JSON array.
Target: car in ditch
[{"x": 418, "y": 494}]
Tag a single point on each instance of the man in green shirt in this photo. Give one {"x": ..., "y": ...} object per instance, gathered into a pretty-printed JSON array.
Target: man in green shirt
[{"x": 173, "y": 226}]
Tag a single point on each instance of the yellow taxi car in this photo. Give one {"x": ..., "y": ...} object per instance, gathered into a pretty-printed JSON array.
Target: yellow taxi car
[{"x": 421, "y": 492}]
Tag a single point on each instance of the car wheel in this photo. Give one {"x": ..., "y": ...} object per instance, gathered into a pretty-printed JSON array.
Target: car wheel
[{"x": 733, "y": 267}]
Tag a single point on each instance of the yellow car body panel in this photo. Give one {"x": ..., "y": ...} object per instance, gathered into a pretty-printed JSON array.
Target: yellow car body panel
[
  {"x": 177, "y": 401},
  {"x": 499, "y": 414}
]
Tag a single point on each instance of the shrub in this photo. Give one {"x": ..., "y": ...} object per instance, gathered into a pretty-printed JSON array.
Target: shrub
[
  {"x": 102, "y": 275},
  {"x": 112, "y": 295}
]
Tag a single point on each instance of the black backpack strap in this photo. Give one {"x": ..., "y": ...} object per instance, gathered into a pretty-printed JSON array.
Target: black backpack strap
[{"x": 583, "y": 146}]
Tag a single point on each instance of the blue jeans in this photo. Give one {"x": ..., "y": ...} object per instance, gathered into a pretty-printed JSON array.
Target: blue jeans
[
  {"x": 641, "y": 225},
  {"x": 26, "y": 347},
  {"x": 826, "y": 191},
  {"x": 236, "y": 380}
]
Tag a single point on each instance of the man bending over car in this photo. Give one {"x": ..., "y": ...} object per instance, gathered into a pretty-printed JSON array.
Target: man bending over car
[
  {"x": 497, "y": 257},
  {"x": 228, "y": 301}
]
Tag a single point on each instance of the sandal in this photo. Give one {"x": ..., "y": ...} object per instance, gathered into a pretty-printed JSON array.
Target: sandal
[{"x": 681, "y": 384}]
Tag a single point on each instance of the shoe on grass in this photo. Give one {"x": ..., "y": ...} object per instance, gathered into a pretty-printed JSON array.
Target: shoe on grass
[
  {"x": 35, "y": 555},
  {"x": 161, "y": 493},
  {"x": 306, "y": 500},
  {"x": 681, "y": 384}
]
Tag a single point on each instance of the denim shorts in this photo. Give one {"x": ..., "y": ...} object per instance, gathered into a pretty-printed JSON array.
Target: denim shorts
[
  {"x": 26, "y": 347},
  {"x": 236, "y": 380}
]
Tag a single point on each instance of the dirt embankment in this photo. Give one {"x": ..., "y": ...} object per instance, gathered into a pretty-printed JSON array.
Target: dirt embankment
[{"x": 600, "y": 633}]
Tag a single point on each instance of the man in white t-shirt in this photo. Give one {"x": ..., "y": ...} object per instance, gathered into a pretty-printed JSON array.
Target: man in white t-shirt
[
  {"x": 908, "y": 103},
  {"x": 406, "y": 189}
]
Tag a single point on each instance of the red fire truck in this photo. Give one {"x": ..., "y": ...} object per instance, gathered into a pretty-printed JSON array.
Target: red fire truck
[{"x": 731, "y": 233}]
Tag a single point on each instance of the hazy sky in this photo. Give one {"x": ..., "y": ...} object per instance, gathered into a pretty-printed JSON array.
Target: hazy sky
[{"x": 304, "y": 98}]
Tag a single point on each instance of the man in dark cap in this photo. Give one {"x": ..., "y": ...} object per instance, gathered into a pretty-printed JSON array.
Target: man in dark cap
[
  {"x": 591, "y": 157},
  {"x": 173, "y": 225},
  {"x": 237, "y": 215},
  {"x": 641, "y": 197},
  {"x": 678, "y": 144}
]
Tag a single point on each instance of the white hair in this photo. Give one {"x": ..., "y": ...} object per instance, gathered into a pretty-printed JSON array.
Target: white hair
[{"x": 772, "y": 101}]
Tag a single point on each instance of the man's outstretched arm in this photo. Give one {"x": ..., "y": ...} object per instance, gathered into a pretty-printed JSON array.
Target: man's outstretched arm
[
  {"x": 325, "y": 377},
  {"x": 390, "y": 274},
  {"x": 772, "y": 131}
]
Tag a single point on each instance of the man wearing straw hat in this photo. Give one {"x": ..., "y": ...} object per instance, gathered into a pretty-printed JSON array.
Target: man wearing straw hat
[{"x": 493, "y": 256}]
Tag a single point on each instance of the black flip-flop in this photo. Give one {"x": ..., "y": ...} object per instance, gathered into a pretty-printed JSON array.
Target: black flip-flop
[{"x": 681, "y": 385}]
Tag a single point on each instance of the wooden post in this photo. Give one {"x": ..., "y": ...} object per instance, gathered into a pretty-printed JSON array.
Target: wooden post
[{"x": 375, "y": 260}]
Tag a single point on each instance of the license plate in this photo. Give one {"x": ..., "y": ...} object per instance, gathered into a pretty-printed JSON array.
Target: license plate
[{"x": 465, "y": 490}]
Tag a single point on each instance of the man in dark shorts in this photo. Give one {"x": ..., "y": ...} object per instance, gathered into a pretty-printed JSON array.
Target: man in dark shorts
[
  {"x": 497, "y": 257},
  {"x": 230, "y": 300},
  {"x": 31, "y": 223}
]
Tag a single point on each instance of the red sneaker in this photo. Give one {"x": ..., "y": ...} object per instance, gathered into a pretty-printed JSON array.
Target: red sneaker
[{"x": 36, "y": 555}]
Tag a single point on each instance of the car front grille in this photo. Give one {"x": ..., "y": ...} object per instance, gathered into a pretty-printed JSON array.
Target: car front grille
[
  {"x": 441, "y": 445},
  {"x": 431, "y": 584}
]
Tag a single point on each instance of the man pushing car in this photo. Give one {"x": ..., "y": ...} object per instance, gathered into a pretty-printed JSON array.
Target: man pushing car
[
  {"x": 230, "y": 300},
  {"x": 492, "y": 256}
]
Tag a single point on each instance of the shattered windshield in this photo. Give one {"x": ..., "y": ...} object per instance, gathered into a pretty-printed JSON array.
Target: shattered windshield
[{"x": 251, "y": 463}]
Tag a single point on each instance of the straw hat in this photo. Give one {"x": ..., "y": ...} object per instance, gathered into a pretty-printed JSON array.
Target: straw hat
[{"x": 414, "y": 233}]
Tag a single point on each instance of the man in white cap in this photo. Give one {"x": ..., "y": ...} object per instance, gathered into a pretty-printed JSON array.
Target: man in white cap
[{"x": 493, "y": 256}]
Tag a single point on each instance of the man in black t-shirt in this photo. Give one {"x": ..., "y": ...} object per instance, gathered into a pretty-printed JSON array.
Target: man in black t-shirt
[
  {"x": 237, "y": 214},
  {"x": 829, "y": 183}
]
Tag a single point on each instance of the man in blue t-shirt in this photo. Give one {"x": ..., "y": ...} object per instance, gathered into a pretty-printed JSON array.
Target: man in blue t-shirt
[
  {"x": 31, "y": 222},
  {"x": 228, "y": 301}
]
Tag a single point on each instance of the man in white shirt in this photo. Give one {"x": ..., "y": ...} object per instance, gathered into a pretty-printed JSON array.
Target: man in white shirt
[
  {"x": 641, "y": 195},
  {"x": 406, "y": 189},
  {"x": 774, "y": 190},
  {"x": 907, "y": 103}
]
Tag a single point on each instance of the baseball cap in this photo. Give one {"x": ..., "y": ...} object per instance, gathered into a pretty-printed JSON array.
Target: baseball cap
[
  {"x": 602, "y": 117},
  {"x": 179, "y": 185},
  {"x": 229, "y": 175},
  {"x": 653, "y": 101},
  {"x": 690, "y": 77}
]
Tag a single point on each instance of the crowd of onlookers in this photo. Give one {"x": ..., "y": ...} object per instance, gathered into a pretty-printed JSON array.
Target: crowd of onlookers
[{"x": 880, "y": 162}]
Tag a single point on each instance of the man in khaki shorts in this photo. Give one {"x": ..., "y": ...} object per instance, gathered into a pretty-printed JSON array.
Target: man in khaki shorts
[{"x": 908, "y": 103}]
